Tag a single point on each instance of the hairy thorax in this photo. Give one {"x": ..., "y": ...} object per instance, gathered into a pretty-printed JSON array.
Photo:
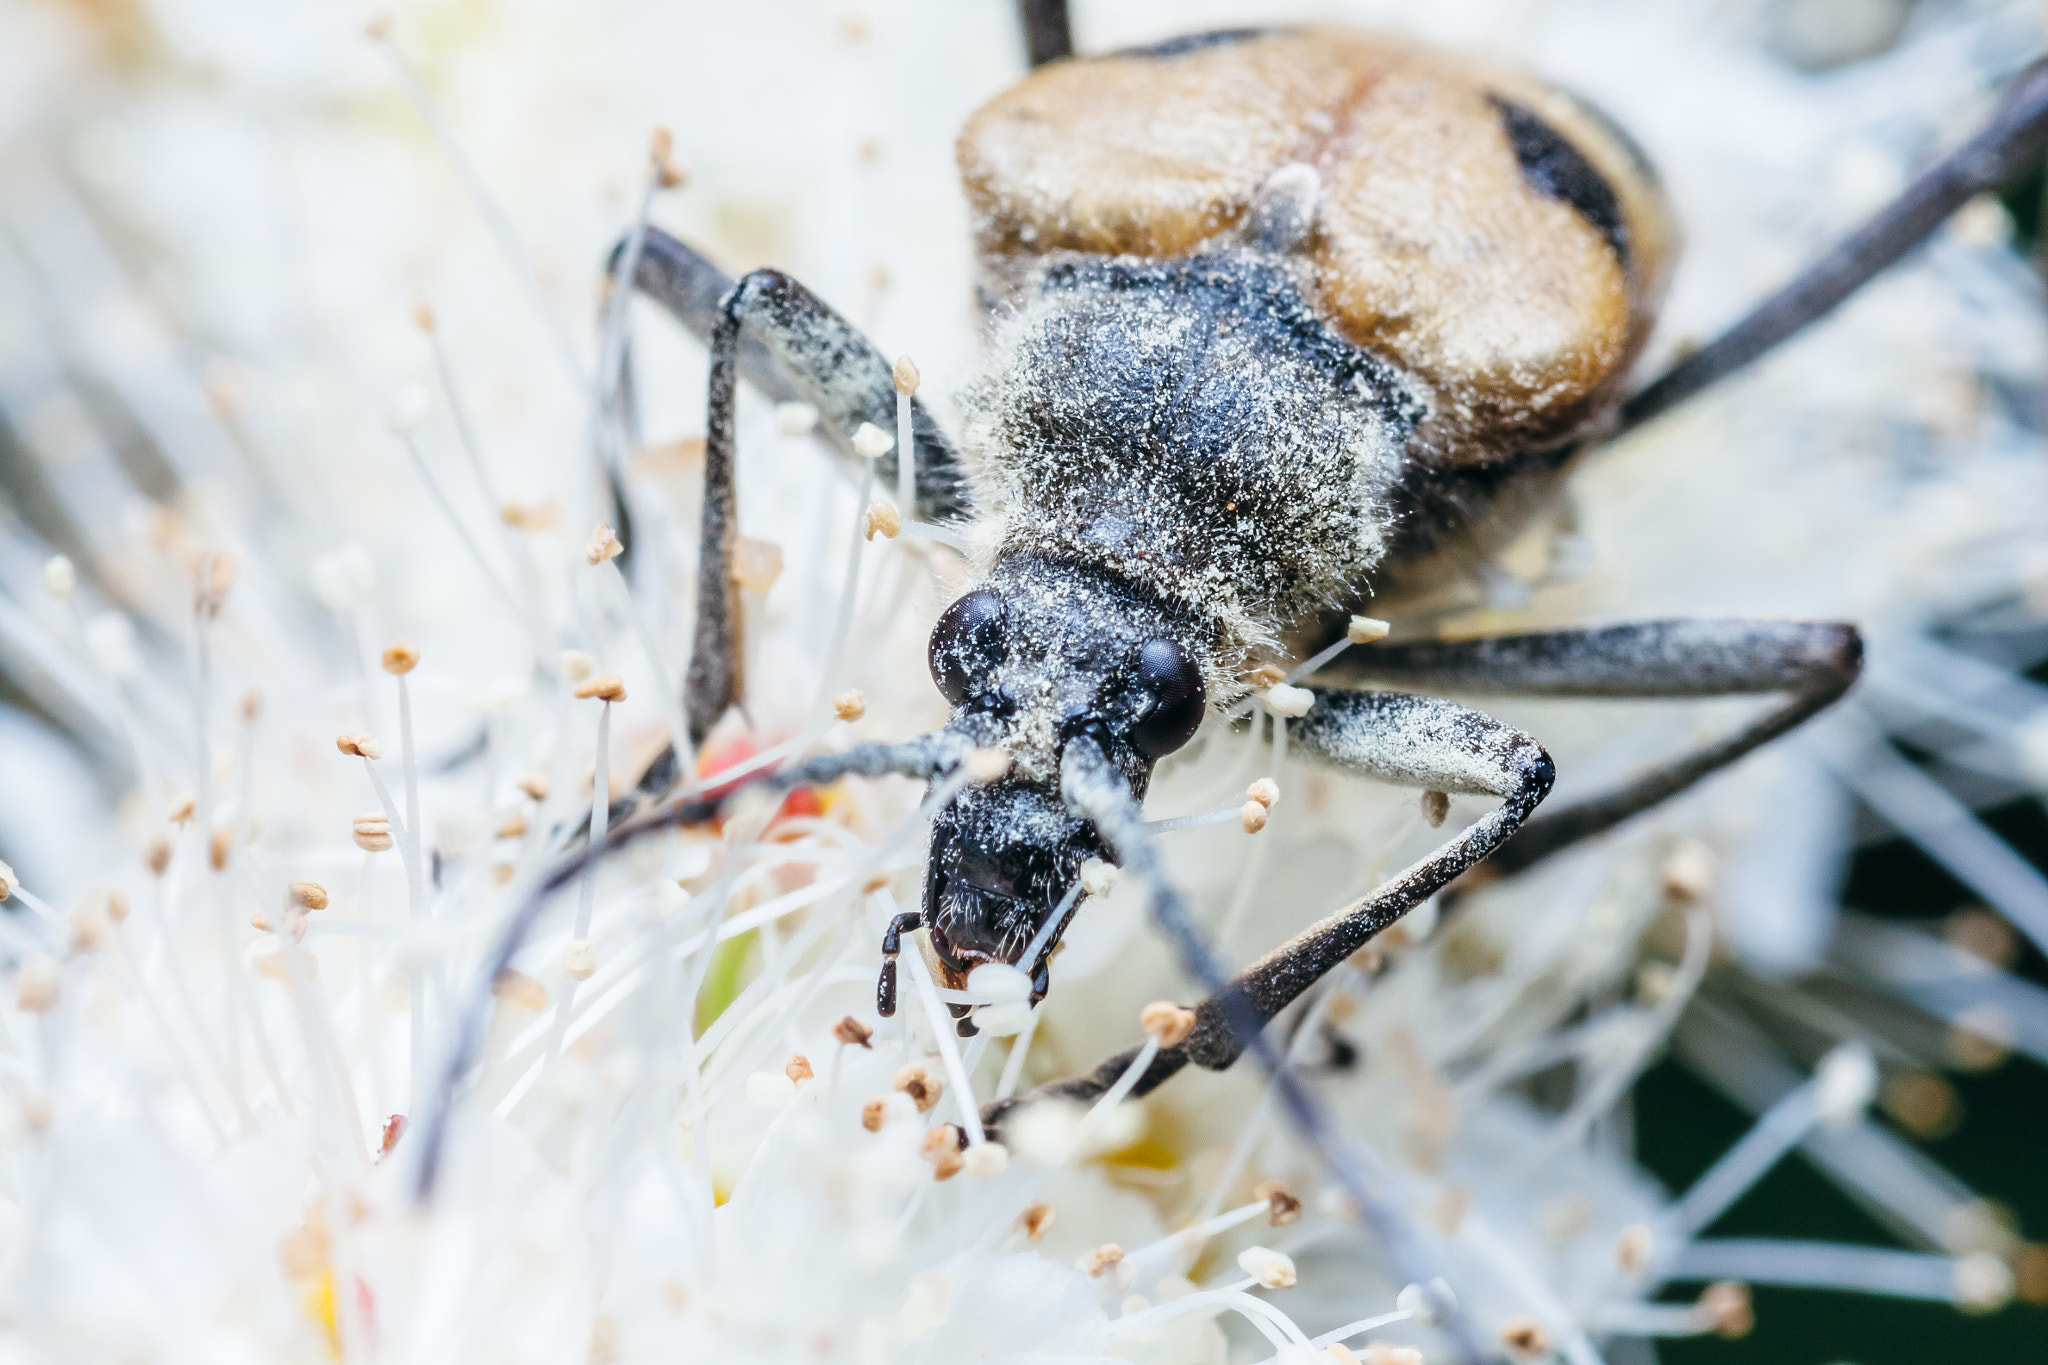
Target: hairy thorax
[{"x": 1191, "y": 427}]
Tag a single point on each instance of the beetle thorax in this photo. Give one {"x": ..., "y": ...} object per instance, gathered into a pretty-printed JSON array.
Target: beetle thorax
[{"x": 1192, "y": 428}]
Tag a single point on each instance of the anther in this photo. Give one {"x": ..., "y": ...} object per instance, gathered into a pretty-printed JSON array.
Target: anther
[
  {"x": 795, "y": 419},
  {"x": 1727, "y": 1309},
  {"x": 873, "y": 1114},
  {"x": 661, "y": 151},
  {"x": 942, "y": 1149},
  {"x": 536, "y": 788},
  {"x": 850, "y": 705},
  {"x": 117, "y": 904},
  {"x": 358, "y": 745},
  {"x": 1102, "y": 1260},
  {"x": 8, "y": 881},
  {"x": 603, "y": 545},
  {"x": 884, "y": 520},
  {"x": 219, "y": 847},
  {"x": 605, "y": 687},
  {"x": 516, "y": 988},
  {"x": 798, "y": 1068},
  {"x": 1435, "y": 806},
  {"x": 906, "y": 375},
  {"x": 1525, "y": 1338},
  {"x": 423, "y": 317},
  {"x": 157, "y": 858},
  {"x": 573, "y": 665},
  {"x": 60, "y": 578},
  {"x": 184, "y": 810},
  {"x": 1034, "y": 1222},
  {"x": 251, "y": 706},
  {"x": 294, "y": 923},
  {"x": 1980, "y": 1038},
  {"x": 1982, "y": 935},
  {"x": 1364, "y": 630},
  {"x": 1273, "y": 1269},
  {"x": 870, "y": 442},
  {"x": 1265, "y": 791},
  {"x": 1688, "y": 872},
  {"x": 1169, "y": 1023},
  {"x": 986, "y": 1160},
  {"x": 37, "y": 988},
  {"x": 1387, "y": 1353},
  {"x": 756, "y": 564},
  {"x": 90, "y": 927},
  {"x": 513, "y": 827},
  {"x": 579, "y": 959},
  {"x": 372, "y": 832},
  {"x": 1982, "y": 1283},
  {"x": 1632, "y": 1249},
  {"x": 923, "y": 1088},
  {"x": 985, "y": 765},
  {"x": 853, "y": 1033},
  {"x": 307, "y": 895},
  {"x": 1282, "y": 1207},
  {"x": 1284, "y": 699},
  {"x": 1098, "y": 878},
  {"x": 1253, "y": 817},
  {"x": 1845, "y": 1082},
  {"x": 1418, "y": 1304},
  {"x": 216, "y": 576}
]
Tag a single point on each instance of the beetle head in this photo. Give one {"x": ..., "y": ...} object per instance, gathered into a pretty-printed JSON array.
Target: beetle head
[{"x": 1037, "y": 655}]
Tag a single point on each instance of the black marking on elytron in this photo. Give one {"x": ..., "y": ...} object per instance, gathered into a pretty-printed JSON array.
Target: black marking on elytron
[
  {"x": 1555, "y": 168},
  {"x": 1638, "y": 159},
  {"x": 1193, "y": 42}
]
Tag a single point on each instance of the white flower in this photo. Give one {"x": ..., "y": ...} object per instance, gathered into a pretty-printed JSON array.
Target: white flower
[{"x": 638, "y": 1167}]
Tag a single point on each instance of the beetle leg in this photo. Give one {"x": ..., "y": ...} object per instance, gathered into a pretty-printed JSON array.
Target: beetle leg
[
  {"x": 910, "y": 921},
  {"x": 793, "y": 347},
  {"x": 788, "y": 340},
  {"x": 1048, "y": 35},
  {"x": 1413, "y": 741},
  {"x": 1814, "y": 662},
  {"x": 2011, "y": 143}
]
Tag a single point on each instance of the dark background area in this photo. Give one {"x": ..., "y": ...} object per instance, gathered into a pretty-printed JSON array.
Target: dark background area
[{"x": 1999, "y": 1149}]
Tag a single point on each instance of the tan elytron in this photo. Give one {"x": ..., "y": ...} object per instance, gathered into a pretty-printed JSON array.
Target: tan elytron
[{"x": 1430, "y": 245}]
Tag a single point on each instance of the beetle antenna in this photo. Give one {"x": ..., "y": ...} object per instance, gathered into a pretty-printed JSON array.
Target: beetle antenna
[
  {"x": 925, "y": 756},
  {"x": 1097, "y": 789}
]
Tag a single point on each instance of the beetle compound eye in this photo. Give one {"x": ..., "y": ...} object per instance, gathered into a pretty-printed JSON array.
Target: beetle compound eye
[
  {"x": 1175, "y": 683},
  {"x": 967, "y": 644}
]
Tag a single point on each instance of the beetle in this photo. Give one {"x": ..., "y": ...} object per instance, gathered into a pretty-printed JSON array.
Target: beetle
[{"x": 1277, "y": 318}]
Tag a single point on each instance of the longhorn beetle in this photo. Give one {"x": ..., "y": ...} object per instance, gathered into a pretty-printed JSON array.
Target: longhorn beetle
[{"x": 1275, "y": 314}]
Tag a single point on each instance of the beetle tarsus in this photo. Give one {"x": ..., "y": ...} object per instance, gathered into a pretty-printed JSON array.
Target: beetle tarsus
[{"x": 909, "y": 922}]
